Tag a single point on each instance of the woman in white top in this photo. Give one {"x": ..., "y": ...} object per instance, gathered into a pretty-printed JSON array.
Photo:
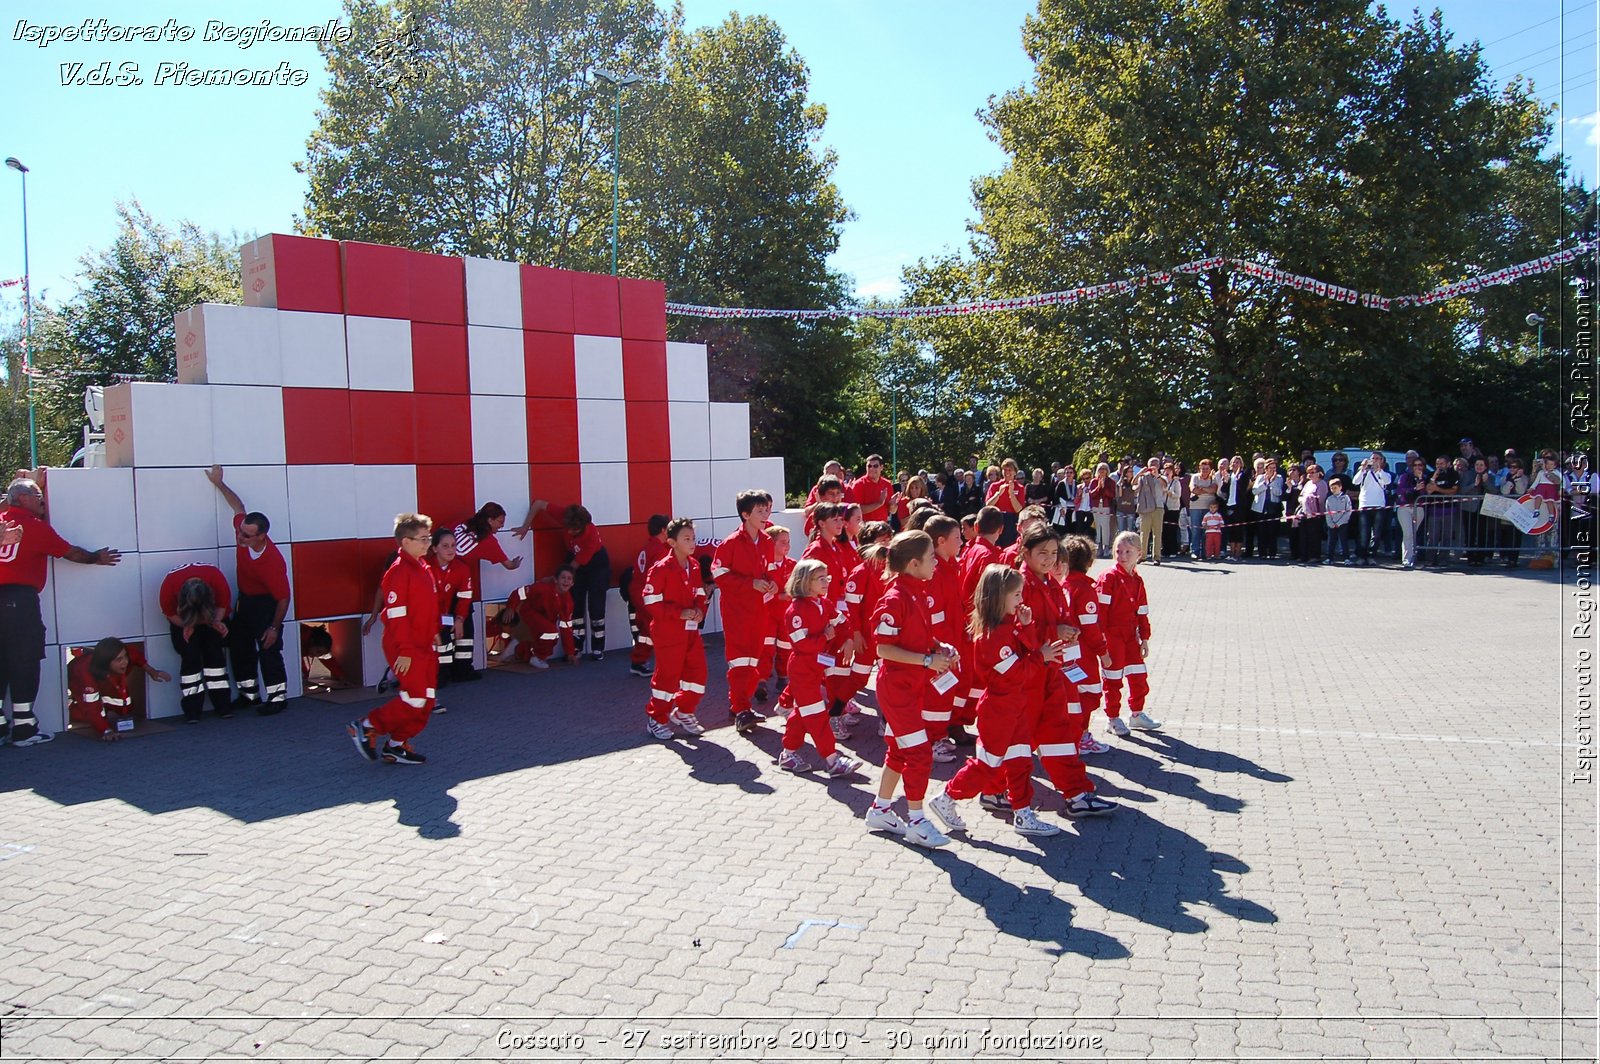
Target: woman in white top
[
  {"x": 1202, "y": 493},
  {"x": 1371, "y": 481}
]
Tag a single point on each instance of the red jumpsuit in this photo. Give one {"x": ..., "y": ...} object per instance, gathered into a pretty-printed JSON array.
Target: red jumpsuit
[
  {"x": 861, "y": 594},
  {"x": 97, "y": 701},
  {"x": 840, "y": 560},
  {"x": 1009, "y": 670},
  {"x": 1060, "y": 721},
  {"x": 903, "y": 619},
  {"x": 776, "y": 648},
  {"x": 978, "y": 556},
  {"x": 654, "y": 550},
  {"x": 546, "y": 612},
  {"x": 1125, "y": 616},
  {"x": 455, "y": 600},
  {"x": 805, "y": 629},
  {"x": 1083, "y": 610},
  {"x": 950, "y": 626},
  {"x": 738, "y": 563},
  {"x": 410, "y": 625},
  {"x": 679, "y": 681}
]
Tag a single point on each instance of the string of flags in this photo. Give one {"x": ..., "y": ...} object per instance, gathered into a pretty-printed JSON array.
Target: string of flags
[
  {"x": 1084, "y": 294},
  {"x": 10, "y": 282}
]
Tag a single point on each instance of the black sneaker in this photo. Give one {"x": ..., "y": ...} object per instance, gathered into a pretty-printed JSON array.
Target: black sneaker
[
  {"x": 761, "y": 692},
  {"x": 746, "y": 722},
  {"x": 463, "y": 672},
  {"x": 225, "y": 713},
  {"x": 365, "y": 738},
  {"x": 961, "y": 737},
  {"x": 641, "y": 670},
  {"x": 402, "y": 754},
  {"x": 270, "y": 709},
  {"x": 995, "y": 803},
  {"x": 1088, "y": 805},
  {"x": 243, "y": 702},
  {"x": 595, "y": 655}
]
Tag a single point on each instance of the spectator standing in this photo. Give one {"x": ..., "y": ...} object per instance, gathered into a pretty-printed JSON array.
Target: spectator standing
[
  {"x": 1338, "y": 506},
  {"x": 1340, "y": 471},
  {"x": 1293, "y": 485},
  {"x": 1064, "y": 494},
  {"x": 1150, "y": 496},
  {"x": 948, "y": 494},
  {"x": 1038, "y": 492},
  {"x": 1261, "y": 534},
  {"x": 1202, "y": 493},
  {"x": 1234, "y": 489},
  {"x": 1172, "y": 505},
  {"x": 1409, "y": 490},
  {"x": 1008, "y": 495},
  {"x": 971, "y": 494},
  {"x": 1514, "y": 485},
  {"x": 873, "y": 492},
  {"x": 1372, "y": 481},
  {"x": 1308, "y": 545},
  {"x": 1127, "y": 501},
  {"x": 1476, "y": 482},
  {"x": 256, "y": 635},
  {"x": 1102, "y": 505},
  {"x": 1444, "y": 517}
]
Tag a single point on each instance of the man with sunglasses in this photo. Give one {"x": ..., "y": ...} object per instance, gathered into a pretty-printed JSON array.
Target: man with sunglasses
[{"x": 263, "y": 601}]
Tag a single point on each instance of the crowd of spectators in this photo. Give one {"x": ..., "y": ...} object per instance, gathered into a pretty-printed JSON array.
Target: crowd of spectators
[{"x": 1419, "y": 512}]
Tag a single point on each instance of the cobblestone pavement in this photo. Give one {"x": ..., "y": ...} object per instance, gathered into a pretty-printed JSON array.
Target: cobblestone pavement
[{"x": 1352, "y": 839}]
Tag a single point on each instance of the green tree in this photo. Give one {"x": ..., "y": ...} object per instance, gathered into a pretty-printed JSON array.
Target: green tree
[{"x": 1321, "y": 138}]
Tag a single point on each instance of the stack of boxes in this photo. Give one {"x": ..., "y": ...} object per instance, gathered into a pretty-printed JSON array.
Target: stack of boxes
[{"x": 359, "y": 381}]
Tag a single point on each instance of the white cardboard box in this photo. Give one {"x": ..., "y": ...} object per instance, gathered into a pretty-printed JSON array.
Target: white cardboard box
[
  {"x": 176, "y": 509},
  {"x": 322, "y": 502},
  {"x": 602, "y": 430},
  {"x": 378, "y": 351},
  {"x": 92, "y": 508},
  {"x": 495, "y": 361},
  {"x": 500, "y": 429},
  {"x": 313, "y": 349},
  {"x": 605, "y": 491},
  {"x": 690, "y": 426},
  {"x": 767, "y": 474},
  {"x": 151, "y": 425},
  {"x": 246, "y": 425},
  {"x": 728, "y": 479},
  {"x": 688, "y": 378},
  {"x": 598, "y": 366},
  {"x": 94, "y": 601},
  {"x": 263, "y": 490},
  {"x": 730, "y": 431},
  {"x": 222, "y": 344},
  {"x": 691, "y": 490},
  {"x": 382, "y": 491},
  {"x": 494, "y": 293}
]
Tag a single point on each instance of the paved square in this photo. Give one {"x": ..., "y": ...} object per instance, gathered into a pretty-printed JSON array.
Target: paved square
[{"x": 1352, "y": 839}]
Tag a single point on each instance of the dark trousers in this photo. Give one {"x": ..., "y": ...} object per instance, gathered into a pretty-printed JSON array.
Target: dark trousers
[
  {"x": 1369, "y": 525},
  {"x": 21, "y": 650},
  {"x": 589, "y": 587},
  {"x": 1308, "y": 540},
  {"x": 202, "y": 671},
  {"x": 1339, "y": 542},
  {"x": 1169, "y": 533},
  {"x": 251, "y": 619}
]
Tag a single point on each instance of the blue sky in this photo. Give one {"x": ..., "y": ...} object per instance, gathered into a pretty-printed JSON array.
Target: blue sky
[{"x": 902, "y": 81}]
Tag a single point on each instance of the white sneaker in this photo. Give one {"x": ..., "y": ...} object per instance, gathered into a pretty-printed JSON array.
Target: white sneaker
[
  {"x": 925, "y": 832},
  {"x": 944, "y": 751},
  {"x": 1143, "y": 721},
  {"x": 1027, "y": 822},
  {"x": 1119, "y": 727},
  {"x": 884, "y": 820},
  {"x": 792, "y": 761},
  {"x": 852, "y": 712},
  {"x": 536, "y": 662},
  {"x": 944, "y": 807},
  {"x": 657, "y": 729},
  {"x": 841, "y": 730},
  {"x": 1090, "y": 745},
  {"x": 840, "y": 766},
  {"x": 36, "y": 739},
  {"x": 687, "y": 721}
]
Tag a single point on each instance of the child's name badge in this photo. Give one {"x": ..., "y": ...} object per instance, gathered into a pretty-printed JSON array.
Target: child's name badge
[
  {"x": 125, "y": 724},
  {"x": 945, "y": 680},
  {"x": 690, "y": 626},
  {"x": 1071, "y": 652},
  {"x": 1075, "y": 673},
  {"x": 769, "y": 596},
  {"x": 827, "y": 661}
]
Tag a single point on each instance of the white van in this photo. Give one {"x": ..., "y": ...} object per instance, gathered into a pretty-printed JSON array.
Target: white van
[{"x": 1357, "y": 455}]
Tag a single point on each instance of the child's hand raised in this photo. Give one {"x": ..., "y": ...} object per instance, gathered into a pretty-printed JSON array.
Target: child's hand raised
[{"x": 1024, "y": 615}]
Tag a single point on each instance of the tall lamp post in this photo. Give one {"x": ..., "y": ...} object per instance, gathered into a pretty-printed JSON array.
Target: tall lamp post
[
  {"x": 27, "y": 316},
  {"x": 1536, "y": 320},
  {"x": 621, "y": 81}
]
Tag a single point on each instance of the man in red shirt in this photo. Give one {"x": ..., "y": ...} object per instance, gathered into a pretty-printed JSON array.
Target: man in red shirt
[
  {"x": 874, "y": 491},
  {"x": 26, "y": 546},
  {"x": 263, "y": 602}
]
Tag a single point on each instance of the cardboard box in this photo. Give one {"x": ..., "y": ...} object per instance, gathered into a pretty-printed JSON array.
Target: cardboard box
[
  {"x": 222, "y": 344},
  {"x": 690, "y": 431},
  {"x": 150, "y": 425},
  {"x": 312, "y": 351},
  {"x": 175, "y": 509},
  {"x": 500, "y": 428},
  {"x": 92, "y": 508},
  {"x": 730, "y": 431},
  {"x": 691, "y": 490},
  {"x": 688, "y": 378},
  {"x": 602, "y": 430},
  {"x": 598, "y": 364},
  {"x": 246, "y": 425},
  {"x": 494, "y": 293},
  {"x": 292, "y": 273},
  {"x": 605, "y": 492},
  {"x": 495, "y": 360},
  {"x": 322, "y": 502},
  {"x": 378, "y": 351}
]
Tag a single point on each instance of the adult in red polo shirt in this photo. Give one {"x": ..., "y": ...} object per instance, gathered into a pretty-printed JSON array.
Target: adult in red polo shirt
[
  {"x": 1008, "y": 495},
  {"x": 28, "y": 541},
  {"x": 874, "y": 491},
  {"x": 195, "y": 599},
  {"x": 256, "y": 635}
]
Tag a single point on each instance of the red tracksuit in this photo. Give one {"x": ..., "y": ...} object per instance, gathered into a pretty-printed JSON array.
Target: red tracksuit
[
  {"x": 679, "y": 681},
  {"x": 840, "y": 559},
  {"x": 950, "y": 626},
  {"x": 978, "y": 556},
  {"x": 455, "y": 600},
  {"x": 97, "y": 701},
  {"x": 861, "y": 594},
  {"x": 1009, "y": 670},
  {"x": 775, "y": 650},
  {"x": 410, "y": 625},
  {"x": 1083, "y": 611},
  {"x": 653, "y": 551},
  {"x": 1060, "y": 720},
  {"x": 805, "y": 629},
  {"x": 903, "y": 619},
  {"x": 1125, "y": 616},
  {"x": 738, "y": 563},
  {"x": 546, "y": 612}
]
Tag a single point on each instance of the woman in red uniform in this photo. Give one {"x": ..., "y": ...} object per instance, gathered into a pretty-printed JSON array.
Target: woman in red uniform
[
  {"x": 476, "y": 542},
  {"x": 97, "y": 685}
]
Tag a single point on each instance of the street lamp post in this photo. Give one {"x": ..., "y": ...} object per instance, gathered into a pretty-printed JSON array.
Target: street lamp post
[
  {"x": 27, "y": 317},
  {"x": 621, "y": 81}
]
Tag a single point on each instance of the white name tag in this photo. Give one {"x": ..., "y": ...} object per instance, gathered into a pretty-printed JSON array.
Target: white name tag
[
  {"x": 1071, "y": 652},
  {"x": 769, "y": 596},
  {"x": 945, "y": 680},
  {"x": 827, "y": 661},
  {"x": 125, "y": 724},
  {"x": 1075, "y": 673},
  {"x": 690, "y": 626}
]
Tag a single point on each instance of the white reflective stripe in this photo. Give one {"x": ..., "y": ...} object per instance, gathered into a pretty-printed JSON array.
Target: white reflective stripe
[
  {"x": 837, "y": 670},
  {"x": 697, "y": 688},
  {"x": 395, "y": 611},
  {"x": 887, "y": 629},
  {"x": 1075, "y": 709},
  {"x": 275, "y": 687},
  {"x": 1058, "y": 750},
  {"x": 1105, "y": 599},
  {"x": 932, "y": 717},
  {"x": 662, "y": 696},
  {"x": 797, "y": 635},
  {"x": 718, "y": 571},
  {"x": 563, "y": 624},
  {"x": 414, "y": 703},
  {"x": 446, "y": 620},
  {"x": 214, "y": 672},
  {"x": 109, "y": 701},
  {"x": 464, "y": 641},
  {"x": 1142, "y": 610},
  {"x": 769, "y": 640},
  {"x": 91, "y": 695},
  {"x": 1088, "y": 618},
  {"x": 937, "y": 618},
  {"x": 644, "y": 640},
  {"x": 853, "y": 599},
  {"x": 248, "y": 682},
  {"x": 189, "y": 677},
  {"x": 782, "y": 645},
  {"x": 1005, "y": 663},
  {"x": 812, "y": 710},
  {"x": 1134, "y": 670},
  {"x": 195, "y": 690},
  {"x": 547, "y": 635},
  {"x": 1112, "y": 674},
  {"x": 992, "y": 760},
  {"x": 916, "y": 738},
  {"x": 1018, "y": 750},
  {"x": 1092, "y": 688},
  {"x": 863, "y": 670},
  {"x": 651, "y": 600},
  {"x": 739, "y": 663},
  {"x": 432, "y": 693},
  {"x": 958, "y": 701},
  {"x": 218, "y": 685},
  {"x": 463, "y": 594}
]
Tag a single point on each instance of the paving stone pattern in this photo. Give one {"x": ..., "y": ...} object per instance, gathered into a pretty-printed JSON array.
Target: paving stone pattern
[{"x": 1349, "y": 841}]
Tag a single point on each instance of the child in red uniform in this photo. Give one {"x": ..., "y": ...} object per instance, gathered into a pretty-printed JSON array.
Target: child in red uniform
[
  {"x": 195, "y": 600},
  {"x": 840, "y": 559},
  {"x": 97, "y": 685},
  {"x": 862, "y": 592},
  {"x": 591, "y": 576},
  {"x": 410, "y": 625},
  {"x": 815, "y": 633},
  {"x": 538, "y": 615},
  {"x": 1083, "y": 610},
  {"x": 742, "y": 569},
  {"x": 654, "y": 549},
  {"x": 830, "y": 490},
  {"x": 476, "y": 542},
  {"x": 912, "y": 661},
  {"x": 676, "y": 598},
  {"x": 454, "y": 578},
  {"x": 776, "y": 649},
  {"x": 1125, "y": 615},
  {"x": 948, "y": 712},
  {"x": 1030, "y": 518}
]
